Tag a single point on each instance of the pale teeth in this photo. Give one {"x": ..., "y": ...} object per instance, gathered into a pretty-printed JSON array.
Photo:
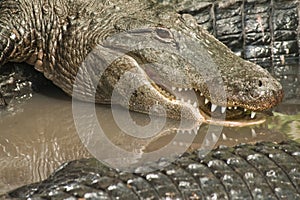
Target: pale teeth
[
  {"x": 224, "y": 137},
  {"x": 214, "y": 137},
  {"x": 229, "y": 108},
  {"x": 235, "y": 107},
  {"x": 173, "y": 88},
  {"x": 223, "y": 109},
  {"x": 206, "y": 101},
  {"x": 253, "y": 132},
  {"x": 196, "y": 130},
  {"x": 201, "y": 94},
  {"x": 195, "y": 104},
  {"x": 253, "y": 114},
  {"x": 207, "y": 142},
  {"x": 245, "y": 110},
  {"x": 179, "y": 89},
  {"x": 213, "y": 107},
  {"x": 185, "y": 89}
]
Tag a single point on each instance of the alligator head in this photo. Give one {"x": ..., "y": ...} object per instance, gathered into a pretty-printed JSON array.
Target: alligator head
[{"x": 149, "y": 58}]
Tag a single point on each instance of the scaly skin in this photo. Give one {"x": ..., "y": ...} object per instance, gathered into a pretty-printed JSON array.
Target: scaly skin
[
  {"x": 59, "y": 38},
  {"x": 262, "y": 171}
]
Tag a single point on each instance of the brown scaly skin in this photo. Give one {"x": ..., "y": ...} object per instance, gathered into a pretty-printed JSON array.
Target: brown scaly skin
[{"x": 58, "y": 36}]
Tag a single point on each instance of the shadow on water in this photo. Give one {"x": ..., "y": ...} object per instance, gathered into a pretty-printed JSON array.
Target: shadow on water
[{"x": 39, "y": 135}]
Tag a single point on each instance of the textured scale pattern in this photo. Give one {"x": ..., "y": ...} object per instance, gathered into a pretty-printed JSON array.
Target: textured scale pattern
[{"x": 262, "y": 171}]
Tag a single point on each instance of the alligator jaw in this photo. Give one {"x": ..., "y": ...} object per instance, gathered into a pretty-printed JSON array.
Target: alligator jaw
[
  {"x": 188, "y": 103},
  {"x": 222, "y": 115}
]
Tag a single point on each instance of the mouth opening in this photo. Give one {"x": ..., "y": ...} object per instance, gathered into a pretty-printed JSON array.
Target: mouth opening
[{"x": 196, "y": 98}]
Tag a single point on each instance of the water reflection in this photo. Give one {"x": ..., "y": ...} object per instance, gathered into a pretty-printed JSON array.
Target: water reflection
[{"x": 39, "y": 135}]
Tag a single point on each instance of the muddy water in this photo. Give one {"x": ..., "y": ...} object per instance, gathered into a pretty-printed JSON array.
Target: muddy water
[{"x": 40, "y": 134}]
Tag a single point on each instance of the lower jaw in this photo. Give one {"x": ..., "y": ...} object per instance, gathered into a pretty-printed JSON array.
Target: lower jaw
[{"x": 241, "y": 122}]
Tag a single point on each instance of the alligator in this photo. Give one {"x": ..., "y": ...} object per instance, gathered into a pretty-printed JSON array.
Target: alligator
[
  {"x": 61, "y": 32},
  {"x": 265, "y": 170},
  {"x": 62, "y": 40}
]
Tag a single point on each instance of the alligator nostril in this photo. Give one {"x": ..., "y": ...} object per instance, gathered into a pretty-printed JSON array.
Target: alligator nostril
[{"x": 260, "y": 83}]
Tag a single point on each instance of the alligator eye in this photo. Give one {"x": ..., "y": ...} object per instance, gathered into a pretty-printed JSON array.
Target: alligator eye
[{"x": 164, "y": 34}]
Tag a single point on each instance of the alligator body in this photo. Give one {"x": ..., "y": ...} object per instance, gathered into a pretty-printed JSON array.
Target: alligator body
[
  {"x": 80, "y": 47},
  {"x": 262, "y": 171}
]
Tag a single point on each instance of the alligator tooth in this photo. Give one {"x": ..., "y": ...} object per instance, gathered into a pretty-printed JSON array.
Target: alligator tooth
[
  {"x": 189, "y": 101},
  {"x": 201, "y": 94},
  {"x": 229, "y": 108},
  {"x": 206, "y": 101},
  {"x": 206, "y": 142},
  {"x": 253, "y": 114},
  {"x": 195, "y": 105},
  {"x": 223, "y": 109},
  {"x": 214, "y": 137},
  {"x": 253, "y": 132},
  {"x": 213, "y": 107},
  {"x": 190, "y": 132},
  {"x": 196, "y": 130},
  {"x": 185, "y": 89},
  {"x": 245, "y": 110},
  {"x": 182, "y": 100},
  {"x": 224, "y": 137},
  {"x": 235, "y": 108},
  {"x": 179, "y": 89},
  {"x": 173, "y": 88}
]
